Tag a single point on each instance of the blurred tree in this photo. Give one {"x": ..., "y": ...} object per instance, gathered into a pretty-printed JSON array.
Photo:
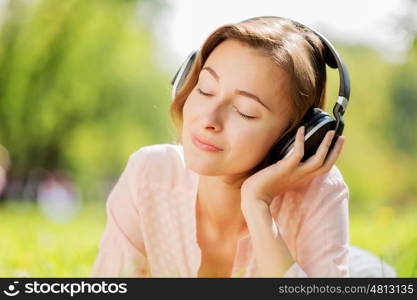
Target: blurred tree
[
  {"x": 403, "y": 119},
  {"x": 78, "y": 86}
]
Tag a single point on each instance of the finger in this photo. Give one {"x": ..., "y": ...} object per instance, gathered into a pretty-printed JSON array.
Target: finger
[
  {"x": 317, "y": 160},
  {"x": 333, "y": 155},
  {"x": 298, "y": 151}
]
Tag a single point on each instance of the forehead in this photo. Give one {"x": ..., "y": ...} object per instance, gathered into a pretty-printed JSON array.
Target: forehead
[{"x": 242, "y": 67}]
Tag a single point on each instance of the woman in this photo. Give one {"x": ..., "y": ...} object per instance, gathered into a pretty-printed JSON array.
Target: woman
[{"x": 195, "y": 210}]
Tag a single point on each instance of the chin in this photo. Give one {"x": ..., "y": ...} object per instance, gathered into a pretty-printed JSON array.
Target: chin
[
  {"x": 207, "y": 163},
  {"x": 201, "y": 166}
]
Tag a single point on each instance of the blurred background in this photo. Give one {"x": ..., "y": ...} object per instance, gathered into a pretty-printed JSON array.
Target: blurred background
[{"x": 85, "y": 83}]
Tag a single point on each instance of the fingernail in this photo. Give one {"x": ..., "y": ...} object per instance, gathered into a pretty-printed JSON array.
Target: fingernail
[{"x": 330, "y": 134}]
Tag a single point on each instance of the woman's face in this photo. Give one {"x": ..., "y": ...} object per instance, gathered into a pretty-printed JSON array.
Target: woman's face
[{"x": 240, "y": 104}]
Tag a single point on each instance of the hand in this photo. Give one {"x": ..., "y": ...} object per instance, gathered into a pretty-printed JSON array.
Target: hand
[{"x": 290, "y": 173}]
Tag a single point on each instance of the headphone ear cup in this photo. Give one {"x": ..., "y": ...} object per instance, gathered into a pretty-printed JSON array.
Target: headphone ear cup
[
  {"x": 316, "y": 123},
  {"x": 318, "y": 132}
]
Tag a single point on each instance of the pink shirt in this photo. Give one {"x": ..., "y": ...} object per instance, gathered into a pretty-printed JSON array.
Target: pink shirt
[{"x": 151, "y": 223}]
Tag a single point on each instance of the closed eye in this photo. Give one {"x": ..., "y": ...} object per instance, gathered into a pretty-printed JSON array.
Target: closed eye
[
  {"x": 202, "y": 93},
  {"x": 242, "y": 115}
]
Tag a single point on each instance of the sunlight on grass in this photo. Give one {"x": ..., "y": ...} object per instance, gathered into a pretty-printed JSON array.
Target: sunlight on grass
[
  {"x": 34, "y": 246},
  {"x": 390, "y": 234}
]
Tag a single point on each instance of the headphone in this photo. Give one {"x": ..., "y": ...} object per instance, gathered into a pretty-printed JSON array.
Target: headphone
[{"x": 316, "y": 121}]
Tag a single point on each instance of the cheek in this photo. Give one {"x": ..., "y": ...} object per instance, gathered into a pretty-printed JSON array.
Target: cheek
[
  {"x": 189, "y": 114},
  {"x": 189, "y": 110},
  {"x": 248, "y": 144},
  {"x": 186, "y": 115}
]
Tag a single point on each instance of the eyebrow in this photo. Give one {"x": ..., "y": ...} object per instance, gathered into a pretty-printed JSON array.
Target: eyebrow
[{"x": 239, "y": 92}]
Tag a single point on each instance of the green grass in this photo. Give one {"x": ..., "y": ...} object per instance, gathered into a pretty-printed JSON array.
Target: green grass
[
  {"x": 33, "y": 246},
  {"x": 389, "y": 233}
]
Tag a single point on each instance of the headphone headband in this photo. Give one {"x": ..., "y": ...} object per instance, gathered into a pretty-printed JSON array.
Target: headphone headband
[
  {"x": 333, "y": 60},
  {"x": 344, "y": 82}
]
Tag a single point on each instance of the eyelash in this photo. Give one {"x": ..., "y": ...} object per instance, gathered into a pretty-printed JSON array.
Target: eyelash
[{"x": 242, "y": 115}]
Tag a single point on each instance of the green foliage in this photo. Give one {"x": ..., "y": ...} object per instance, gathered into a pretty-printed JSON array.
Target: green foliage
[
  {"x": 79, "y": 88},
  {"x": 379, "y": 121}
]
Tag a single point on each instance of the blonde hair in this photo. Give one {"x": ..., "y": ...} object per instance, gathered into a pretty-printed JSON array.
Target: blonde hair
[{"x": 294, "y": 48}]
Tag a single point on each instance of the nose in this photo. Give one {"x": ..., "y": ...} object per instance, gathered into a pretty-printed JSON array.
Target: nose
[
  {"x": 212, "y": 125},
  {"x": 212, "y": 118}
]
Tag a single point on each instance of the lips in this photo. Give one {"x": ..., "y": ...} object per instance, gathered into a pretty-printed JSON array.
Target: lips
[{"x": 204, "y": 144}]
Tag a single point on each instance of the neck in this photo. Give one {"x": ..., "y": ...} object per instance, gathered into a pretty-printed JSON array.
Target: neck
[{"x": 219, "y": 206}]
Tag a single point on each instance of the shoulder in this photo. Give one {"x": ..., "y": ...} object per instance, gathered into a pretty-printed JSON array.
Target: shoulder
[
  {"x": 326, "y": 191},
  {"x": 321, "y": 193},
  {"x": 158, "y": 153},
  {"x": 330, "y": 181},
  {"x": 159, "y": 164}
]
